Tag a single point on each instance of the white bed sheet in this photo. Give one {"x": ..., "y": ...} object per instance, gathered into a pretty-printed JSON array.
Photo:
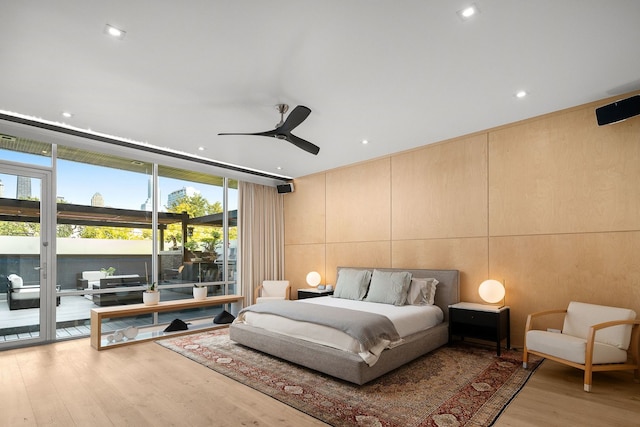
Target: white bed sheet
[{"x": 407, "y": 319}]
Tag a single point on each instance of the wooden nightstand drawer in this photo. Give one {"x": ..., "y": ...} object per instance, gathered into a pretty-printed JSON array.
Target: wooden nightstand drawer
[
  {"x": 313, "y": 293},
  {"x": 479, "y": 318}
]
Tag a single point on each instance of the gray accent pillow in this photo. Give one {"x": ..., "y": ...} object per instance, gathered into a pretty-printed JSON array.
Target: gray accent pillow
[
  {"x": 389, "y": 287},
  {"x": 422, "y": 291},
  {"x": 352, "y": 284}
]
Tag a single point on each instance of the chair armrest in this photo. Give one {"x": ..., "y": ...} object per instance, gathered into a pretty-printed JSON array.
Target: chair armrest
[
  {"x": 82, "y": 283},
  {"x": 613, "y": 323},
  {"x": 635, "y": 337},
  {"x": 256, "y": 293},
  {"x": 532, "y": 316}
]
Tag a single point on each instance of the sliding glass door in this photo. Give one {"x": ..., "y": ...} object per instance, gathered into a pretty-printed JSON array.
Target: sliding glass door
[{"x": 26, "y": 291}]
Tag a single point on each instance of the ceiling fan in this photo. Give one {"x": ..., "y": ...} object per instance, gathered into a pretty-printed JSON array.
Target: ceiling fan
[{"x": 284, "y": 128}]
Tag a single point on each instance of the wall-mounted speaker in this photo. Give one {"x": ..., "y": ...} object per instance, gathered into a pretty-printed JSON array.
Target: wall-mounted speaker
[
  {"x": 285, "y": 188},
  {"x": 618, "y": 111}
]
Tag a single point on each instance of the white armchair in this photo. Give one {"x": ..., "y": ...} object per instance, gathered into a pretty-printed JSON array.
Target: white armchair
[
  {"x": 272, "y": 290},
  {"x": 593, "y": 338}
]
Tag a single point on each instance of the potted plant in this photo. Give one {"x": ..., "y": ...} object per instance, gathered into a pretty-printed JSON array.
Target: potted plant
[
  {"x": 151, "y": 296},
  {"x": 199, "y": 291},
  {"x": 108, "y": 272}
]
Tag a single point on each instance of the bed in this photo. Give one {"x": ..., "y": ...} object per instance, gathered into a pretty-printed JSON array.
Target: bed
[{"x": 351, "y": 365}]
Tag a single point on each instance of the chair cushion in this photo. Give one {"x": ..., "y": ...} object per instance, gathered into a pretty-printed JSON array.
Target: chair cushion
[
  {"x": 572, "y": 348},
  {"x": 580, "y": 316},
  {"x": 274, "y": 288},
  {"x": 26, "y": 293},
  {"x": 16, "y": 281},
  {"x": 94, "y": 276}
]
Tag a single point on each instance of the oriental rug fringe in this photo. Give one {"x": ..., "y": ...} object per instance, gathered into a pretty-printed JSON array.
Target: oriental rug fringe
[{"x": 458, "y": 385}]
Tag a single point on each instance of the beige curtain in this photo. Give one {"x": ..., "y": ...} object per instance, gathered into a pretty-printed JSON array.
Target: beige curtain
[{"x": 261, "y": 236}]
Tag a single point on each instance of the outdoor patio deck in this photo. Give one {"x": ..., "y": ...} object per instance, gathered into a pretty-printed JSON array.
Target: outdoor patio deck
[{"x": 73, "y": 318}]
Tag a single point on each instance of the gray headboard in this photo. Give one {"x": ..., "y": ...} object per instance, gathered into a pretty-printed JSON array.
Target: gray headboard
[{"x": 448, "y": 289}]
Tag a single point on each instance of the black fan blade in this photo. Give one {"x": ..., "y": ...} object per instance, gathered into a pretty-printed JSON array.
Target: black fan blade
[
  {"x": 301, "y": 143},
  {"x": 267, "y": 133},
  {"x": 297, "y": 116}
]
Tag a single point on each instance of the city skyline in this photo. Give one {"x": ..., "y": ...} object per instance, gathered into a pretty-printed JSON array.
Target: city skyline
[
  {"x": 87, "y": 191},
  {"x": 79, "y": 182}
]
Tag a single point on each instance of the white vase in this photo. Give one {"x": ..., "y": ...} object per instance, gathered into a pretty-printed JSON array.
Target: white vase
[
  {"x": 150, "y": 298},
  {"x": 130, "y": 332},
  {"x": 199, "y": 293}
]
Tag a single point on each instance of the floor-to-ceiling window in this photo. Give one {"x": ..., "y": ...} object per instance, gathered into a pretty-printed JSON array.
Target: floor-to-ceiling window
[
  {"x": 193, "y": 251},
  {"x": 104, "y": 234},
  {"x": 105, "y": 241}
]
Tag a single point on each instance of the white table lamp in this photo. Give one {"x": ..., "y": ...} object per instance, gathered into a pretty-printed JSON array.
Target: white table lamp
[
  {"x": 492, "y": 291},
  {"x": 313, "y": 279}
]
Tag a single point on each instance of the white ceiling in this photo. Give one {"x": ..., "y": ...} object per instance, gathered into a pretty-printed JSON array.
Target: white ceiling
[{"x": 400, "y": 73}]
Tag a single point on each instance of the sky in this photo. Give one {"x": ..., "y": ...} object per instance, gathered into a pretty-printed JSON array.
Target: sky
[{"x": 78, "y": 182}]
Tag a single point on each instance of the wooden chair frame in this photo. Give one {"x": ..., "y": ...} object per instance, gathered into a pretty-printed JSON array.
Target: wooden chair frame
[{"x": 633, "y": 360}]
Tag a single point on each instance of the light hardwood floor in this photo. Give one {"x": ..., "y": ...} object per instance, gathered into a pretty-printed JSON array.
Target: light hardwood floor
[{"x": 71, "y": 384}]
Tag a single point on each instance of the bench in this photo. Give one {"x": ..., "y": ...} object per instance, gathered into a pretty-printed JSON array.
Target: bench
[{"x": 99, "y": 314}]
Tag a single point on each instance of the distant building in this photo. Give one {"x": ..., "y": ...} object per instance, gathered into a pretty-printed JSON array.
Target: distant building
[
  {"x": 1, "y": 189},
  {"x": 148, "y": 204},
  {"x": 97, "y": 200},
  {"x": 23, "y": 190},
  {"x": 174, "y": 196}
]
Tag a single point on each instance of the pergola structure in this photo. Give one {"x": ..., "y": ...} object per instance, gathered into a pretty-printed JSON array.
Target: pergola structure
[{"x": 29, "y": 211}]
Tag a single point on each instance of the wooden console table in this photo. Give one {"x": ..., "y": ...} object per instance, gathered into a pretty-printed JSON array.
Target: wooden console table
[{"x": 98, "y": 314}]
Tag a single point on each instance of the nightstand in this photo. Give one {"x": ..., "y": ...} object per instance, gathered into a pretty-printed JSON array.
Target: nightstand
[
  {"x": 480, "y": 321},
  {"x": 313, "y": 293}
]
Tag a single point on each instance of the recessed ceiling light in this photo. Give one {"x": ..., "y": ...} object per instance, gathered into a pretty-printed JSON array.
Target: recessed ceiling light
[
  {"x": 67, "y": 114},
  {"x": 365, "y": 142},
  {"x": 201, "y": 148},
  {"x": 279, "y": 168},
  {"x": 521, "y": 94},
  {"x": 468, "y": 12},
  {"x": 114, "y": 32}
]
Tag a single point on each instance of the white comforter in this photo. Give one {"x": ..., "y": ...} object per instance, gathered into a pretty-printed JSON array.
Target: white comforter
[{"x": 407, "y": 319}]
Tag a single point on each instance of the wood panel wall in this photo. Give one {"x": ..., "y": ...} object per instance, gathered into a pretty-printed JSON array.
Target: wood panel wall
[{"x": 550, "y": 206}]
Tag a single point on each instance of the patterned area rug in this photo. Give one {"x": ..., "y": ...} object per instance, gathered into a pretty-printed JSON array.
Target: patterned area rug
[{"x": 453, "y": 386}]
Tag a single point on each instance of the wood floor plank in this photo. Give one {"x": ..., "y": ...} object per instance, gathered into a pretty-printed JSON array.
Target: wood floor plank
[
  {"x": 13, "y": 393},
  {"x": 554, "y": 396},
  {"x": 71, "y": 384}
]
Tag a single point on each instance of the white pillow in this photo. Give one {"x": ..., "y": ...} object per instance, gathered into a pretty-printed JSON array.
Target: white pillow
[
  {"x": 422, "y": 291},
  {"x": 389, "y": 287},
  {"x": 352, "y": 284}
]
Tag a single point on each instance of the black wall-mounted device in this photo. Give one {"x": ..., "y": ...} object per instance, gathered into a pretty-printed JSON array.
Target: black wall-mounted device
[
  {"x": 618, "y": 111},
  {"x": 285, "y": 188}
]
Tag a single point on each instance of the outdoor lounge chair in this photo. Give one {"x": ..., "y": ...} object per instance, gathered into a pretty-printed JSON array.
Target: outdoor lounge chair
[{"x": 21, "y": 295}]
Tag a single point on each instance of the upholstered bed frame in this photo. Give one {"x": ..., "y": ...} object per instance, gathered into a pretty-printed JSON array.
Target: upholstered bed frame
[{"x": 349, "y": 366}]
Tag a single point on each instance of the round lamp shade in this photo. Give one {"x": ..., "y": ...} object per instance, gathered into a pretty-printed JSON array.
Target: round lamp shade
[
  {"x": 313, "y": 279},
  {"x": 491, "y": 291}
]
